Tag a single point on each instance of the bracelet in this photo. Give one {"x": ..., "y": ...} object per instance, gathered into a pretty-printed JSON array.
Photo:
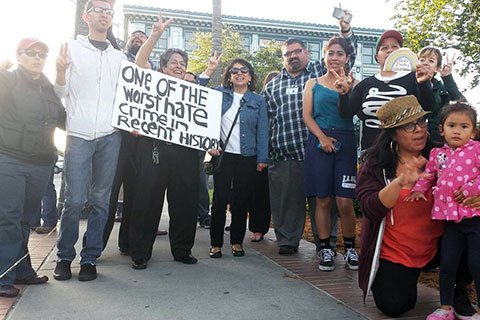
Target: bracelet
[{"x": 347, "y": 30}]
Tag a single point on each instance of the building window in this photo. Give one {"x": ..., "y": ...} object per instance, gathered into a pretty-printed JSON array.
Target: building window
[
  {"x": 246, "y": 43},
  {"x": 162, "y": 43},
  {"x": 368, "y": 55},
  {"x": 189, "y": 36},
  {"x": 314, "y": 51}
]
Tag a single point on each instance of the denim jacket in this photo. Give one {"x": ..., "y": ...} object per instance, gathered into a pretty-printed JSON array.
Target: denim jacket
[{"x": 253, "y": 123}]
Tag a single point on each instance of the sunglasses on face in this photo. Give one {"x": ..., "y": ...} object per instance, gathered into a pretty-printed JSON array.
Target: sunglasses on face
[
  {"x": 33, "y": 53},
  {"x": 100, "y": 10},
  {"x": 243, "y": 70},
  {"x": 410, "y": 127},
  {"x": 288, "y": 54}
]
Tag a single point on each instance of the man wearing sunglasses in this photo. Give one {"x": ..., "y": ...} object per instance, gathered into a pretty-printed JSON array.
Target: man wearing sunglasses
[
  {"x": 87, "y": 74},
  {"x": 30, "y": 111},
  {"x": 288, "y": 135}
]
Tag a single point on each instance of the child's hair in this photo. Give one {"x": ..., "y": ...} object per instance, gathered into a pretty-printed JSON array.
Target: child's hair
[
  {"x": 460, "y": 106},
  {"x": 428, "y": 51}
]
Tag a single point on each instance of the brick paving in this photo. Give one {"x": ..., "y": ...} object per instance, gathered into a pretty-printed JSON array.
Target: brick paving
[
  {"x": 39, "y": 246},
  {"x": 340, "y": 284}
]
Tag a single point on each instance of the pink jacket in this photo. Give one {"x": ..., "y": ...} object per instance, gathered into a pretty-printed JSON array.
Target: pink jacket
[{"x": 452, "y": 170}]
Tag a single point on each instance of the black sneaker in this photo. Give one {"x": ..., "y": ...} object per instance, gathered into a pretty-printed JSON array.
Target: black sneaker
[
  {"x": 139, "y": 264},
  {"x": 62, "y": 270},
  {"x": 462, "y": 307},
  {"x": 88, "y": 272},
  {"x": 205, "y": 223},
  {"x": 287, "y": 250},
  {"x": 351, "y": 258},
  {"x": 326, "y": 255}
]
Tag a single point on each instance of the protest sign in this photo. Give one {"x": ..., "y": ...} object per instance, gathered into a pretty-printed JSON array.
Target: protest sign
[{"x": 167, "y": 108}]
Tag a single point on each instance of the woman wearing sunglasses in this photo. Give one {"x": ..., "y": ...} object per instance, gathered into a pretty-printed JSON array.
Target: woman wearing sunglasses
[
  {"x": 244, "y": 113},
  {"x": 30, "y": 112}
]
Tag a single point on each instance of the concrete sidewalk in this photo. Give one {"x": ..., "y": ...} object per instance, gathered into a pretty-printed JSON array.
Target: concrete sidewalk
[{"x": 249, "y": 287}]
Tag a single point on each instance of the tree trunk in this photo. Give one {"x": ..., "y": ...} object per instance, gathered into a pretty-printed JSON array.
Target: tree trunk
[
  {"x": 81, "y": 26},
  {"x": 217, "y": 39}
]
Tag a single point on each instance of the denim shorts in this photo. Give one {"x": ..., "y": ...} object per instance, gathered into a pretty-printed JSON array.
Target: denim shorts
[{"x": 331, "y": 174}]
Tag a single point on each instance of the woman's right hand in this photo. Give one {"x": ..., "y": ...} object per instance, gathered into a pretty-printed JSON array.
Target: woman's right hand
[
  {"x": 327, "y": 143},
  {"x": 412, "y": 172}
]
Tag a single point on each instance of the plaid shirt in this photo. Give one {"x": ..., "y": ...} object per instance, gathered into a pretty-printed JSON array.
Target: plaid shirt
[{"x": 283, "y": 94}]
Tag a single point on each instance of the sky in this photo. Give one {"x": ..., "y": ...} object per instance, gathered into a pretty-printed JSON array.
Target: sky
[{"x": 53, "y": 20}]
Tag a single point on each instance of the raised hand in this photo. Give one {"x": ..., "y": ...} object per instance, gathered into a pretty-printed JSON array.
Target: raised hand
[
  {"x": 422, "y": 74},
  {"x": 213, "y": 63},
  {"x": 62, "y": 63},
  {"x": 343, "y": 84},
  {"x": 343, "y": 25},
  {"x": 5, "y": 65},
  {"x": 159, "y": 27},
  {"x": 412, "y": 171},
  {"x": 447, "y": 66}
]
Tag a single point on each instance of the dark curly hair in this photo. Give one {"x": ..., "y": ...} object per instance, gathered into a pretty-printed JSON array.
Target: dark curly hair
[
  {"x": 167, "y": 55},
  {"x": 226, "y": 83}
]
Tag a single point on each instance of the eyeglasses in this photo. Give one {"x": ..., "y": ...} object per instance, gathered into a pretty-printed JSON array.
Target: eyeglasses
[
  {"x": 33, "y": 53},
  {"x": 177, "y": 63},
  {"x": 243, "y": 70},
  {"x": 288, "y": 54},
  {"x": 100, "y": 9},
  {"x": 410, "y": 127}
]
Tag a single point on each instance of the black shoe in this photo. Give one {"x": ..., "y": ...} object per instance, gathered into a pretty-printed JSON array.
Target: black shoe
[
  {"x": 8, "y": 291},
  {"x": 62, "y": 270},
  {"x": 88, "y": 272},
  {"x": 187, "y": 259},
  {"x": 238, "y": 253},
  {"x": 216, "y": 254},
  {"x": 139, "y": 264},
  {"x": 227, "y": 228},
  {"x": 287, "y": 249},
  {"x": 33, "y": 279},
  {"x": 205, "y": 223},
  {"x": 123, "y": 252}
]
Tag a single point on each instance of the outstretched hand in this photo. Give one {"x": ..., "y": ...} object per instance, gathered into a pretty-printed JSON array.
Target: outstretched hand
[
  {"x": 159, "y": 27},
  {"x": 213, "y": 63},
  {"x": 422, "y": 74},
  {"x": 343, "y": 25},
  {"x": 5, "y": 65},
  {"x": 412, "y": 171},
  {"x": 343, "y": 84}
]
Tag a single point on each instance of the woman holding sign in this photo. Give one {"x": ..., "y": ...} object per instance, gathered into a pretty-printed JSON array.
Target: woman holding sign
[
  {"x": 163, "y": 165},
  {"x": 244, "y": 122}
]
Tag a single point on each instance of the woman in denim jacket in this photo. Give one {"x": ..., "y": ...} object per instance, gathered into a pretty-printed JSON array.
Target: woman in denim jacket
[{"x": 245, "y": 152}]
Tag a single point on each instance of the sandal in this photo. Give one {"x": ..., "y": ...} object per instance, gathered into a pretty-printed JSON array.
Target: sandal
[
  {"x": 256, "y": 237},
  {"x": 237, "y": 253},
  {"x": 215, "y": 254}
]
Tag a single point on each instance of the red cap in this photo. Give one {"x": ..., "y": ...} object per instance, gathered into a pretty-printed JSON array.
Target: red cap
[
  {"x": 390, "y": 34},
  {"x": 29, "y": 42}
]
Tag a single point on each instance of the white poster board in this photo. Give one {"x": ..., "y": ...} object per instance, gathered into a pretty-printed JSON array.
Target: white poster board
[{"x": 167, "y": 108}]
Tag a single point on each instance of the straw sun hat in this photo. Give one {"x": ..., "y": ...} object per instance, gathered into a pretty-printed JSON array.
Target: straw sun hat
[{"x": 400, "y": 111}]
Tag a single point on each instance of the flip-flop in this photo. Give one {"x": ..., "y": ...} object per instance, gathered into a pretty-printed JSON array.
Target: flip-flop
[{"x": 256, "y": 237}]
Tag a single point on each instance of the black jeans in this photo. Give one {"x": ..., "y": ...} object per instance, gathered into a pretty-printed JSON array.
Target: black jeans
[
  {"x": 458, "y": 238},
  {"x": 237, "y": 170},
  {"x": 177, "y": 172},
  {"x": 259, "y": 204},
  {"x": 125, "y": 174}
]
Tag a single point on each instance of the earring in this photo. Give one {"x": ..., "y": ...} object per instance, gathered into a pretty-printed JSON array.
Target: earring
[
  {"x": 249, "y": 82},
  {"x": 391, "y": 146}
]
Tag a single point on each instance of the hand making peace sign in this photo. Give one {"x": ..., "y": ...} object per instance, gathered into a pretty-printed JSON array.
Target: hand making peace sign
[
  {"x": 159, "y": 27},
  {"x": 448, "y": 66},
  {"x": 62, "y": 62},
  {"x": 343, "y": 84}
]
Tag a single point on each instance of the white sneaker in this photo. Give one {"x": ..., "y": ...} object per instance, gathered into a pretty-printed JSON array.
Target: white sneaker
[
  {"x": 351, "y": 258},
  {"x": 326, "y": 254}
]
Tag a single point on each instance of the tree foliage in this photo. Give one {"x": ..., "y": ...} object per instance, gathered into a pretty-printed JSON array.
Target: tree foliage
[
  {"x": 445, "y": 24},
  {"x": 264, "y": 60}
]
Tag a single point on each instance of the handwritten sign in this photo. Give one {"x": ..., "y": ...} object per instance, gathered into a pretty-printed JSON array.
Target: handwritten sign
[
  {"x": 167, "y": 108},
  {"x": 402, "y": 59}
]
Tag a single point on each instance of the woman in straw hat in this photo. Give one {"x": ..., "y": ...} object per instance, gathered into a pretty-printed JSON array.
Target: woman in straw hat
[{"x": 398, "y": 238}]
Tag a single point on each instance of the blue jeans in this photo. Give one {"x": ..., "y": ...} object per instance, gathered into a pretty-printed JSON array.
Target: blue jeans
[
  {"x": 100, "y": 156},
  {"x": 21, "y": 189},
  {"x": 48, "y": 211},
  {"x": 203, "y": 196}
]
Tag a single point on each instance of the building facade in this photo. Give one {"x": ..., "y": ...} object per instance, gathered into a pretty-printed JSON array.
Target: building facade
[{"x": 255, "y": 33}]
